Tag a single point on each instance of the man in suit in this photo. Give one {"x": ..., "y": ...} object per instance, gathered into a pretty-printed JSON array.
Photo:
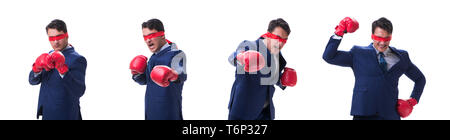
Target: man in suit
[
  {"x": 377, "y": 69},
  {"x": 61, "y": 73},
  {"x": 164, "y": 74},
  {"x": 257, "y": 72}
]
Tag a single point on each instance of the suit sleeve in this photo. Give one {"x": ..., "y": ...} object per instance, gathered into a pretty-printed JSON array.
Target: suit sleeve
[
  {"x": 241, "y": 48},
  {"x": 282, "y": 64},
  {"x": 141, "y": 79},
  {"x": 335, "y": 57},
  {"x": 279, "y": 83},
  {"x": 232, "y": 59},
  {"x": 34, "y": 79},
  {"x": 417, "y": 76},
  {"x": 74, "y": 79}
]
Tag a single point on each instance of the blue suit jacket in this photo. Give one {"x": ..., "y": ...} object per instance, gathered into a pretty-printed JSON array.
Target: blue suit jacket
[
  {"x": 164, "y": 103},
  {"x": 247, "y": 94},
  {"x": 375, "y": 91},
  {"x": 59, "y": 98}
]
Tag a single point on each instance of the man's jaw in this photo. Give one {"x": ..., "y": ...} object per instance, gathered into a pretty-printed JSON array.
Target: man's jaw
[
  {"x": 382, "y": 48},
  {"x": 151, "y": 46}
]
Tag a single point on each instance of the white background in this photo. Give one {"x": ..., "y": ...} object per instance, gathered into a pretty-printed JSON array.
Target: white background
[{"x": 108, "y": 33}]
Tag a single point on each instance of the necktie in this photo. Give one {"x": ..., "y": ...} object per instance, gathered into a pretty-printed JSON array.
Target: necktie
[{"x": 382, "y": 62}]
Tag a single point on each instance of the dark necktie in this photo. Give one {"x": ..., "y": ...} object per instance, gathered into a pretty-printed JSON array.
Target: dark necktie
[{"x": 382, "y": 62}]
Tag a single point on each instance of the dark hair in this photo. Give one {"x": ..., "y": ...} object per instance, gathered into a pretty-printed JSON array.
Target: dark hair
[
  {"x": 383, "y": 23},
  {"x": 58, "y": 25},
  {"x": 153, "y": 24},
  {"x": 279, "y": 22}
]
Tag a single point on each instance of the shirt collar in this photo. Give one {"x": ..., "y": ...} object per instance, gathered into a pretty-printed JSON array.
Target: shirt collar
[
  {"x": 67, "y": 47},
  {"x": 163, "y": 47},
  {"x": 388, "y": 50}
]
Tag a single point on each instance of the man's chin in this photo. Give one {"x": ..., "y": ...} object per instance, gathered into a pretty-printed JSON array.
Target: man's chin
[
  {"x": 152, "y": 50},
  {"x": 381, "y": 49},
  {"x": 58, "y": 48}
]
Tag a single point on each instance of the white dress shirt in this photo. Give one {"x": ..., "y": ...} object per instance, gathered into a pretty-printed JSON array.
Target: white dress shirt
[{"x": 390, "y": 57}]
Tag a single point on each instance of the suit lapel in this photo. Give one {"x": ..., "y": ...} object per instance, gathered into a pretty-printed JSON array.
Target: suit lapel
[
  {"x": 396, "y": 65},
  {"x": 67, "y": 51},
  {"x": 374, "y": 56}
]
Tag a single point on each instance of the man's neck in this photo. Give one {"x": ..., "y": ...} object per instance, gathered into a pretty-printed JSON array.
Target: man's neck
[
  {"x": 65, "y": 47},
  {"x": 384, "y": 52},
  {"x": 162, "y": 48}
]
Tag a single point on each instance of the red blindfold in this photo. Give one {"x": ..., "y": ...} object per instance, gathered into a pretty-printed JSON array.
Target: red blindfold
[
  {"x": 273, "y": 36},
  {"x": 382, "y": 39},
  {"x": 59, "y": 37},
  {"x": 157, "y": 34}
]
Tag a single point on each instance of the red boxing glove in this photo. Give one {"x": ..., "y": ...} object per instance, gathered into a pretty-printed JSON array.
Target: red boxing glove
[
  {"x": 347, "y": 25},
  {"x": 138, "y": 64},
  {"x": 252, "y": 60},
  {"x": 41, "y": 63},
  {"x": 58, "y": 61},
  {"x": 405, "y": 107},
  {"x": 163, "y": 75},
  {"x": 289, "y": 77}
]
